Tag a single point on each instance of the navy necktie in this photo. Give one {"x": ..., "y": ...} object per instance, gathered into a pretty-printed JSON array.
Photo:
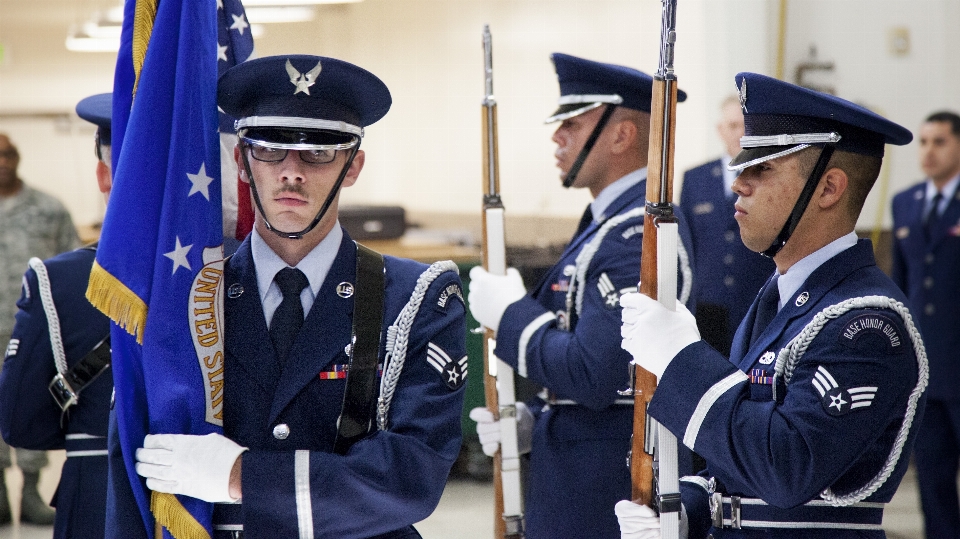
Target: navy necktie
[
  {"x": 288, "y": 317},
  {"x": 933, "y": 218},
  {"x": 767, "y": 308},
  {"x": 585, "y": 221}
]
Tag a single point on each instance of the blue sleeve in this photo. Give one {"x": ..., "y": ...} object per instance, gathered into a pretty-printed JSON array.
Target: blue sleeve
[
  {"x": 787, "y": 452},
  {"x": 390, "y": 479},
  {"x": 29, "y": 417},
  {"x": 586, "y": 364}
]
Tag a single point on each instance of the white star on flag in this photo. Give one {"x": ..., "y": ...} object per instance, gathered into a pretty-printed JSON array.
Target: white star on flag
[
  {"x": 239, "y": 23},
  {"x": 179, "y": 256},
  {"x": 222, "y": 52},
  {"x": 219, "y": 4},
  {"x": 200, "y": 182}
]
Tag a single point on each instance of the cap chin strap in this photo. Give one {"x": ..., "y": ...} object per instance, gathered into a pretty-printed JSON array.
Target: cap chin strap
[
  {"x": 801, "y": 206},
  {"x": 323, "y": 209},
  {"x": 575, "y": 169}
]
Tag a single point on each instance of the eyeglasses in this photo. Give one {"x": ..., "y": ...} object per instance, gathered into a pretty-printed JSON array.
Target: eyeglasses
[{"x": 275, "y": 155}]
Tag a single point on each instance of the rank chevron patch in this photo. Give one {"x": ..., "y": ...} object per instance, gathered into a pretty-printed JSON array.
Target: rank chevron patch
[
  {"x": 609, "y": 292},
  {"x": 12, "y": 347},
  {"x": 454, "y": 373},
  {"x": 838, "y": 401}
]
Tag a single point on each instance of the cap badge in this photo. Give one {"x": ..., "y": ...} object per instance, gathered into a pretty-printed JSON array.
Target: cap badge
[
  {"x": 303, "y": 81},
  {"x": 742, "y": 94}
]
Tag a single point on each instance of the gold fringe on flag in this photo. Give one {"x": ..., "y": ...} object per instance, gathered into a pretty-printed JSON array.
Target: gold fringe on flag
[
  {"x": 170, "y": 514},
  {"x": 118, "y": 302},
  {"x": 144, "y": 17}
]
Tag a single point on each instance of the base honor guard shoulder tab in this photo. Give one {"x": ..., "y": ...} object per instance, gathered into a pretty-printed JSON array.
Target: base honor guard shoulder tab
[
  {"x": 449, "y": 292},
  {"x": 873, "y": 331}
]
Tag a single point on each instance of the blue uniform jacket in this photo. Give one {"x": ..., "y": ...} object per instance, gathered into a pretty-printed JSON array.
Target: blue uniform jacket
[
  {"x": 728, "y": 274},
  {"x": 30, "y": 418},
  {"x": 387, "y": 481},
  {"x": 929, "y": 274},
  {"x": 577, "y": 463},
  {"x": 787, "y": 449}
]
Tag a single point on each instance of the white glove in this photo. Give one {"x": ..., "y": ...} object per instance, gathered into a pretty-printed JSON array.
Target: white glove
[
  {"x": 637, "y": 521},
  {"x": 490, "y": 294},
  {"x": 488, "y": 429},
  {"x": 652, "y": 334},
  {"x": 196, "y": 466}
]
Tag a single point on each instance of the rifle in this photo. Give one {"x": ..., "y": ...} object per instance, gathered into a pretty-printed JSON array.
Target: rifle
[
  {"x": 498, "y": 376},
  {"x": 654, "y": 449}
]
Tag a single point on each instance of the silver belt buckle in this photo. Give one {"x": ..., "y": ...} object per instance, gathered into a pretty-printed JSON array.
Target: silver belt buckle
[{"x": 716, "y": 509}]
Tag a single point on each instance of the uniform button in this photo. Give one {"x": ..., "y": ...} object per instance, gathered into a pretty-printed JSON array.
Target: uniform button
[
  {"x": 929, "y": 309},
  {"x": 729, "y": 236},
  {"x": 281, "y": 431},
  {"x": 928, "y": 259},
  {"x": 928, "y": 283},
  {"x": 728, "y": 280},
  {"x": 728, "y": 259}
]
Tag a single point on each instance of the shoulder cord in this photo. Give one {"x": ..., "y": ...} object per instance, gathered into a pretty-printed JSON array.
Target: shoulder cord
[
  {"x": 790, "y": 354},
  {"x": 587, "y": 253},
  {"x": 398, "y": 337},
  {"x": 585, "y": 256},
  {"x": 53, "y": 320}
]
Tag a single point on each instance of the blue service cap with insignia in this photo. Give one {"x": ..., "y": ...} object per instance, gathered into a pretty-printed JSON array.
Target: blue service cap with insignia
[
  {"x": 313, "y": 95},
  {"x": 97, "y": 109},
  {"x": 586, "y": 85},
  {"x": 781, "y": 118}
]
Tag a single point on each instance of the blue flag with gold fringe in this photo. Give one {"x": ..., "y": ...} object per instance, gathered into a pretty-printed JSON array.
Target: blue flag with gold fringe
[{"x": 160, "y": 258}]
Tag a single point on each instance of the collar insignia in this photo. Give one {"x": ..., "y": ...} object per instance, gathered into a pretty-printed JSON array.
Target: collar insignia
[
  {"x": 345, "y": 289},
  {"x": 235, "y": 291},
  {"x": 768, "y": 357},
  {"x": 303, "y": 81},
  {"x": 801, "y": 299}
]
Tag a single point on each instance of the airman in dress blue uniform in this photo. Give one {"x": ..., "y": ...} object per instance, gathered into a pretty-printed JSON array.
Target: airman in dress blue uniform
[
  {"x": 29, "y": 416},
  {"x": 563, "y": 334},
  {"x": 926, "y": 266},
  {"x": 807, "y": 428},
  {"x": 300, "y": 123},
  {"x": 728, "y": 274}
]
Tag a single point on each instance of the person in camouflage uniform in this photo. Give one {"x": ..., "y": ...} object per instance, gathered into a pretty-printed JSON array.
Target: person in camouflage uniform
[{"x": 31, "y": 224}]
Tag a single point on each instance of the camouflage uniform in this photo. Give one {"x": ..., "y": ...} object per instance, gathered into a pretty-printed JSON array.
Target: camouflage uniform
[{"x": 31, "y": 224}]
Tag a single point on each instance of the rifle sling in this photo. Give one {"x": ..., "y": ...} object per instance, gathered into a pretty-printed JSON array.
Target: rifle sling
[
  {"x": 66, "y": 387},
  {"x": 359, "y": 397}
]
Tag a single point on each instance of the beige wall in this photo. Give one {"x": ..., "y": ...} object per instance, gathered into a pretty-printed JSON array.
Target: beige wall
[{"x": 425, "y": 155}]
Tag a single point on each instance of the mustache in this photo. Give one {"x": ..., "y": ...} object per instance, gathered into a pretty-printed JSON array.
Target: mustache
[{"x": 294, "y": 188}]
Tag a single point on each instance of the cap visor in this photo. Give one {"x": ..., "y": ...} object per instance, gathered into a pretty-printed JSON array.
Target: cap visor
[
  {"x": 569, "y": 111},
  {"x": 754, "y": 156}
]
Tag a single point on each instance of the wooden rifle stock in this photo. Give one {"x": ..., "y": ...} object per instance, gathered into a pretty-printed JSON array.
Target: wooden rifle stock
[
  {"x": 659, "y": 209},
  {"x": 498, "y": 376}
]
